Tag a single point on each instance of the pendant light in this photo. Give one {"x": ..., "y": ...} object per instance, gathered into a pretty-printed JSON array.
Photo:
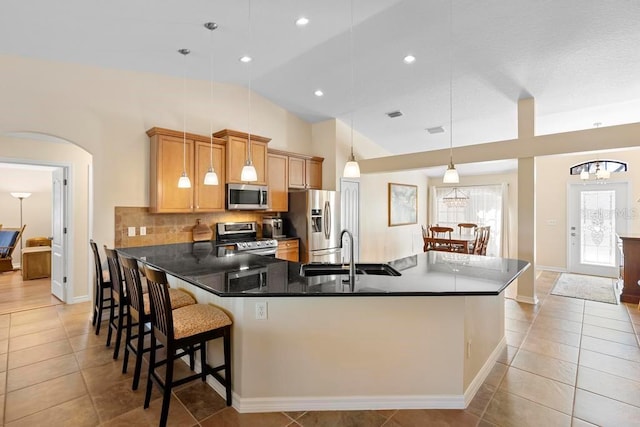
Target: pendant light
[
  {"x": 211, "y": 177},
  {"x": 351, "y": 168},
  {"x": 184, "y": 181},
  {"x": 249, "y": 173},
  {"x": 451, "y": 175}
]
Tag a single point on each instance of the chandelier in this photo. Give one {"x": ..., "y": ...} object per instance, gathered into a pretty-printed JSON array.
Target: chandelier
[
  {"x": 600, "y": 169},
  {"x": 456, "y": 198}
]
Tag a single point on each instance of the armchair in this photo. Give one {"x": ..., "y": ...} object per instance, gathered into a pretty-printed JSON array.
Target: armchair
[{"x": 9, "y": 238}]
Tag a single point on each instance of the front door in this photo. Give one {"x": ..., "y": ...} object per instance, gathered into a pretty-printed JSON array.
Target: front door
[{"x": 597, "y": 212}]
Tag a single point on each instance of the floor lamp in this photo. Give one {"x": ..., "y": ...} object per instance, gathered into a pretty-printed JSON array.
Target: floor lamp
[{"x": 21, "y": 196}]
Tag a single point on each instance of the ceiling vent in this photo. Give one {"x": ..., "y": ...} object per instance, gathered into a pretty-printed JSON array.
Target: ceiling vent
[
  {"x": 436, "y": 129},
  {"x": 394, "y": 114}
]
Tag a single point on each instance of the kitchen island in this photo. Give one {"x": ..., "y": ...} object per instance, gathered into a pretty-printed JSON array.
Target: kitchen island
[{"x": 424, "y": 339}]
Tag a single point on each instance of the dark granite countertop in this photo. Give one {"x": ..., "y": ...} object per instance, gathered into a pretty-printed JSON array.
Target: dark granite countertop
[{"x": 233, "y": 274}]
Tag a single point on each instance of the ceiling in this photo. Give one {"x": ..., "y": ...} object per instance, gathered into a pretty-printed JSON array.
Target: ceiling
[{"x": 578, "y": 58}]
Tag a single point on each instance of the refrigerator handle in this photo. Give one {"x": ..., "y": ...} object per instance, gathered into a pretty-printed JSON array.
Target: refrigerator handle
[{"x": 327, "y": 220}]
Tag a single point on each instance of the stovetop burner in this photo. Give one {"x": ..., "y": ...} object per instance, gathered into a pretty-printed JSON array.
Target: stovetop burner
[{"x": 243, "y": 235}]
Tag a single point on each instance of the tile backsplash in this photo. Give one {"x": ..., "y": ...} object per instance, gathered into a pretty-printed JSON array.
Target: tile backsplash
[{"x": 170, "y": 228}]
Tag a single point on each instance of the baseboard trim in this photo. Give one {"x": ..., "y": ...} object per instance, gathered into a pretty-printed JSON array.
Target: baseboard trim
[
  {"x": 527, "y": 300},
  {"x": 77, "y": 300},
  {"x": 554, "y": 269},
  {"x": 484, "y": 372}
]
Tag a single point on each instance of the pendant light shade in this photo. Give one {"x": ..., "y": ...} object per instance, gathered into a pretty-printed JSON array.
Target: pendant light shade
[
  {"x": 249, "y": 173},
  {"x": 351, "y": 168},
  {"x": 184, "y": 181},
  {"x": 211, "y": 177},
  {"x": 451, "y": 175}
]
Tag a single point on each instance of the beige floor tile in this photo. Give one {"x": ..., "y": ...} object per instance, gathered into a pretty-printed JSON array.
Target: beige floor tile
[
  {"x": 30, "y": 316},
  {"x": 620, "y": 314},
  {"x": 4, "y": 346},
  {"x": 417, "y": 417},
  {"x": 547, "y": 392},
  {"x": 547, "y": 312},
  {"x": 96, "y": 356},
  {"x": 30, "y": 400},
  {"x": 610, "y": 364},
  {"x": 608, "y": 385},
  {"x": 555, "y": 335},
  {"x": 84, "y": 341},
  {"x": 507, "y": 354},
  {"x": 3, "y": 361},
  {"x": 480, "y": 401},
  {"x": 547, "y": 322},
  {"x": 201, "y": 400},
  {"x": 618, "y": 325},
  {"x": 611, "y": 348},
  {"x": 231, "y": 418},
  {"x": 496, "y": 374},
  {"x": 118, "y": 398},
  {"x": 516, "y": 325},
  {"x": 518, "y": 314},
  {"x": 577, "y": 422},
  {"x": 509, "y": 410},
  {"x": 602, "y": 411},
  {"x": 33, "y": 327},
  {"x": 3, "y": 383},
  {"x": 514, "y": 339},
  {"x": 82, "y": 326},
  {"x": 549, "y": 348},
  {"x": 38, "y": 353},
  {"x": 4, "y": 333},
  {"x": 546, "y": 366},
  {"x": 5, "y": 320},
  {"x": 77, "y": 413},
  {"x": 37, "y": 338},
  {"x": 609, "y": 334},
  {"x": 35, "y": 373},
  {"x": 100, "y": 378}
]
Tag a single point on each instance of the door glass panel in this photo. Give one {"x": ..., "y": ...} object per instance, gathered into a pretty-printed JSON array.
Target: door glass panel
[{"x": 598, "y": 220}]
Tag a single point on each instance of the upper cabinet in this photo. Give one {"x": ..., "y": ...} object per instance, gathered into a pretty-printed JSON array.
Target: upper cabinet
[
  {"x": 278, "y": 182},
  {"x": 305, "y": 172},
  {"x": 169, "y": 152},
  {"x": 236, "y": 146}
]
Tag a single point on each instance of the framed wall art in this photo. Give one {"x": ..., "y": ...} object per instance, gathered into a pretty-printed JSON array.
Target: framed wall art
[{"x": 403, "y": 204}]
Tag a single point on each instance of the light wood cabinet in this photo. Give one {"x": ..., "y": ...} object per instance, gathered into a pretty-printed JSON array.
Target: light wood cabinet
[
  {"x": 305, "y": 172},
  {"x": 278, "y": 167},
  {"x": 288, "y": 250},
  {"x": 166, "y": 165},
  {"x": 236, "y": 146}
]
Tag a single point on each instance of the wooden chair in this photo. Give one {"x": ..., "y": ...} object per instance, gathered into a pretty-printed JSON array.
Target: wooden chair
[
  {"x": 9, "y": 238},
  {"x": 190, "y": 326},
  {"x": 102, "y": 285},
  {"x": 139, "y": 314},
  {"x": 467, "y": 228},
  {"x": 481, "y": 241},
  {"x": 116, "y": 321},
  {"x": 441, "y": 234}
]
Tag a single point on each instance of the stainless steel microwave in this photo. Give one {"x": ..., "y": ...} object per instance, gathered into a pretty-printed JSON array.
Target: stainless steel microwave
[{"x": 246, "y": 197}]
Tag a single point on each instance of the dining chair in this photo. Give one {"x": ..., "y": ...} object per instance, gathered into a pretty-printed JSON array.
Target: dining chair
[
  {"x": 467, "y": 228},
  {"x": 442, "y": 234},
  {"x": 190, "y": 327},
  {"x": 116, "y": 320}
]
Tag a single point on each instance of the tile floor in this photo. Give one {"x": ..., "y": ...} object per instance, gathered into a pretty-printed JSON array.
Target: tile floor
[{"x": 568, "y": 362}]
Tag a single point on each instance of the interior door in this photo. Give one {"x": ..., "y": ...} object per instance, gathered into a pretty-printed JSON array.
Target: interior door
[
  {"x": 597, "y": 212},
  {"x": 350, "y": 215},
  {"x": 58, "y": 242}
]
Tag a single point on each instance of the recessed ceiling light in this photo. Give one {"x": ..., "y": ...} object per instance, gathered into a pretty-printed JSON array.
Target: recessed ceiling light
[
  {"x": 318, "y": 93},
  {"x": 246, "y": 59},
  {"x": 436, "y": 129},
  {"x": 302, "y": 21},
  {"x": 409, "y": 59},
  {"x": 394, "y": 114}
]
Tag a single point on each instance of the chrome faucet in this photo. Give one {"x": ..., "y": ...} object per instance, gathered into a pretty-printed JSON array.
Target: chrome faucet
[{"x": 352, "y": 263}]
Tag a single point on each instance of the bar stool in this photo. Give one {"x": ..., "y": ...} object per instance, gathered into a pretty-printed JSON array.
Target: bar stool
[
  {"x": 119, "y": 297},
  {"x": 180, "y": 328},
  {"x": 138, "y": 315},
  {"x": 102, "y": 284}
]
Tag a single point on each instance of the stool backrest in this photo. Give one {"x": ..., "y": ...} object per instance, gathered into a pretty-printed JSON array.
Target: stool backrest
[
  {"x": 133, "y": 284},
  {"x": 161, "y": 314},
  {"x": 115, "y": 273},
  {"x": 98, "y": 263}
]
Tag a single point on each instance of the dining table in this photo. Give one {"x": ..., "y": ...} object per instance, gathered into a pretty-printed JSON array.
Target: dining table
[{"x": 452, "y": 244}]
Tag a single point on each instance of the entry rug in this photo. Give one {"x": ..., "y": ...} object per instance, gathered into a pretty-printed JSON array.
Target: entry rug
[{"x": 593, "y": 288}]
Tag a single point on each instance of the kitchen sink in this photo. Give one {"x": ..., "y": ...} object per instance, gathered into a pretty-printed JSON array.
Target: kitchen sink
[{"x": 322, "y": 269}]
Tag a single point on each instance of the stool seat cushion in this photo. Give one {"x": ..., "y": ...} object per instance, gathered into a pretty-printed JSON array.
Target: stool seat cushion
[
  {"x": 195, "y": 319},
  {"x": 178, "y": 299}
]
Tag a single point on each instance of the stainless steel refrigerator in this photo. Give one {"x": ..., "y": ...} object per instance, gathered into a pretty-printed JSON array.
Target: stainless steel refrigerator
[{"x": 314, "y": 217}]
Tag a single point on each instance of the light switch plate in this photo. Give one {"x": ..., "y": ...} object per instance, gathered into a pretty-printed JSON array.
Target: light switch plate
[{"x": 131, "y": 231}]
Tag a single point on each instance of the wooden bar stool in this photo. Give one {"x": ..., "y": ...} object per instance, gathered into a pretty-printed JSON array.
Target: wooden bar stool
[
  {"x": 190, "y": 326},
  {"x": 138, "y": 314},
  {"x": 119, "y": 298},
  {"x": 102, "y": 284}
]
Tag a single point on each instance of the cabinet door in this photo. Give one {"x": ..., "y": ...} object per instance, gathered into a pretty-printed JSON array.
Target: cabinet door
[
  {"x": 209, "y": 198},
  {"x": 237, "y": 156},
  {"x": 288, "y": 250},
  {"x": 166, "y": 168},
  {"x": 278, "y": 195},
  {"x": 297, "y": 175},
  {"x": 313, "y": 174}
]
